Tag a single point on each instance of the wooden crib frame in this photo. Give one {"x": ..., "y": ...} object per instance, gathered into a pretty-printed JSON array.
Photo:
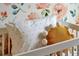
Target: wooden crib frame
[
  {"x": 4, "y": 31},
  {"x": 56, "y": 47}
]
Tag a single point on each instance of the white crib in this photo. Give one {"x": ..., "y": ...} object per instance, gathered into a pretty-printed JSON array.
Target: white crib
[{"x": 47, "y": 50}]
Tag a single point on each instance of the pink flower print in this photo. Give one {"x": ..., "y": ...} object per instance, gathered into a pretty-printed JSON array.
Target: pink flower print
[
  {"x": 59, "y": 10},
  {"x": 4, "y": 14},
  {"x": 41, "y": 5},
  {"x": 32, "y": 16},
  {"x": 7, "y": 4}
]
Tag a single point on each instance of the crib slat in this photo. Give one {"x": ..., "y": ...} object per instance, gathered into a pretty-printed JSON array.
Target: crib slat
[
  {"x": 52, "y": 48},
  {"x": 72, "y": 51},
  {"x": 66, "y": 53},
  {"x": 9, "y": 45},
  {"x": 61, "y": 53},
  {"x": 3, "y": 37},
  {"x": 78, "y": 50}
]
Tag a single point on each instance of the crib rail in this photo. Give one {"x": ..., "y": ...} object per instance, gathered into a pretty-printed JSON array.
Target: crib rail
[
  {"x": 55, "y": 47},
  {"x": 52, "y": 48}
]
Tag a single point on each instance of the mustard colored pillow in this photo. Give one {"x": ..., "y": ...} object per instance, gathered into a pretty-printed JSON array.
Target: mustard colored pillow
[{"x": 58, "y": 34}]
